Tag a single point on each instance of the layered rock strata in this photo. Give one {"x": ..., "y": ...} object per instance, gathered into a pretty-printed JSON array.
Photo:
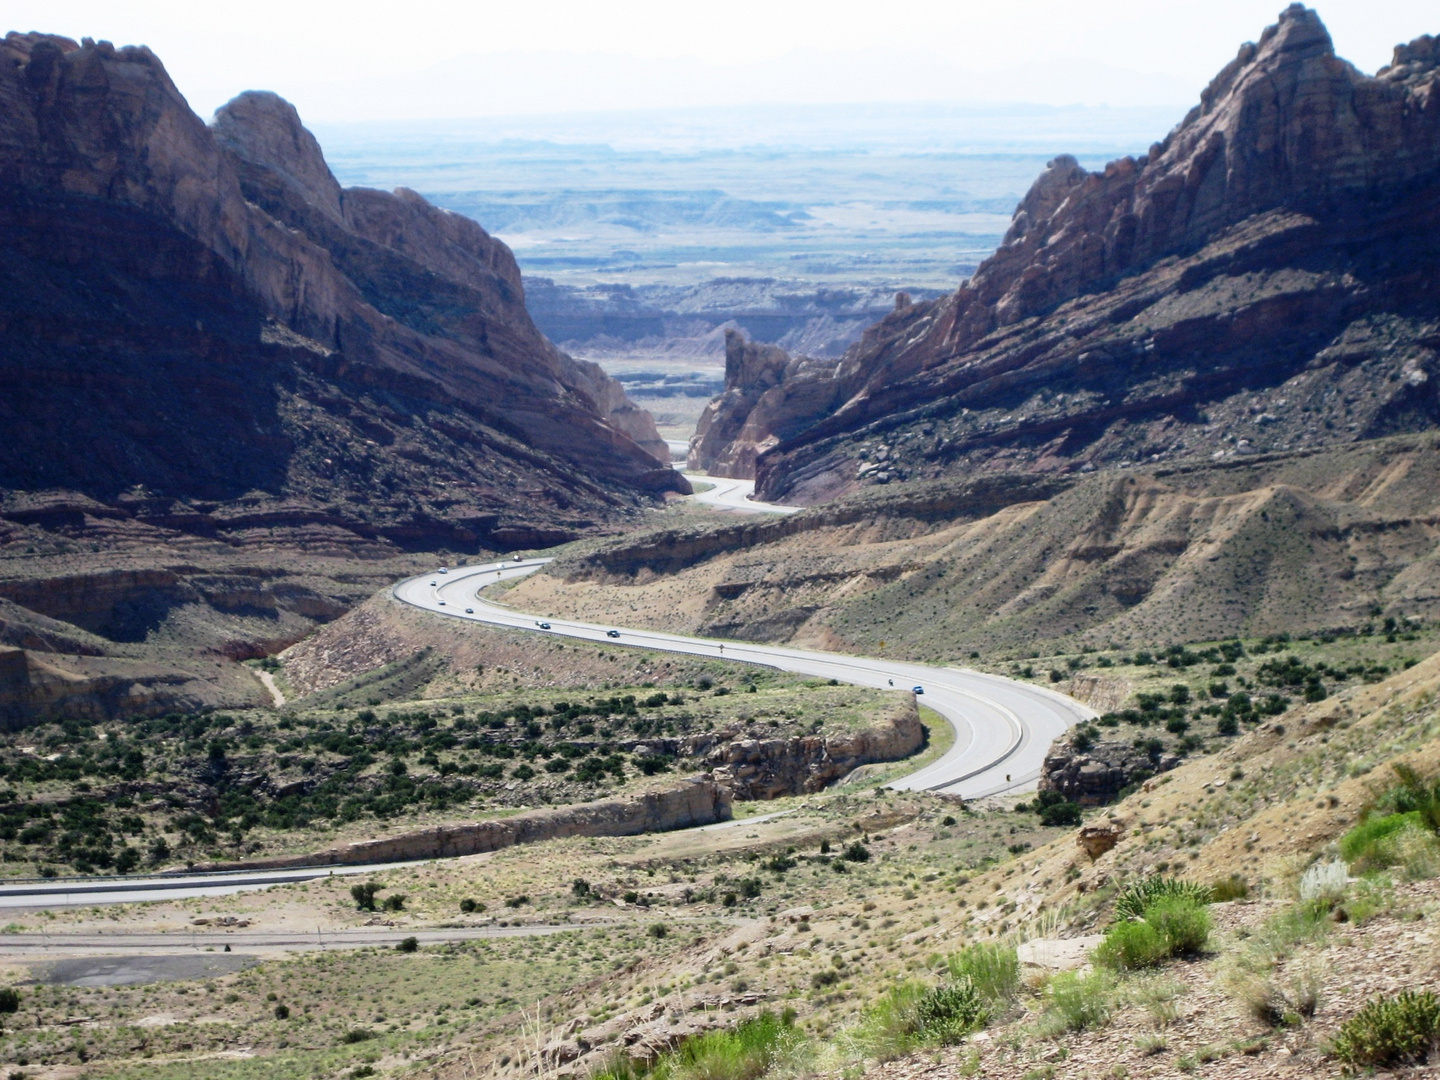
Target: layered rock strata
[{"x": 1254, "y": 282}]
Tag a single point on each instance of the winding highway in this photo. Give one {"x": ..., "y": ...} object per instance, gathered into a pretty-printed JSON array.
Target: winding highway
[{"x": 1002, "y": 728}]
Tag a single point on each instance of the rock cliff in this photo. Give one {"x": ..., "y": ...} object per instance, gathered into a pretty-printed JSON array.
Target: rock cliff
[
  {"x": 697, "y": 801},
  {"x": 203, "y": 313},
  {"x": 1255, "y": 282}
]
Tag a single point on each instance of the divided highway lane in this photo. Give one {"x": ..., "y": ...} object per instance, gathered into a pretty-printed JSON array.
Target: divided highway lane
[{"x": 1002, "y": 728}]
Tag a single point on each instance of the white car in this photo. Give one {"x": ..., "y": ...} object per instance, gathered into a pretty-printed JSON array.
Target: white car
[{"x": 443, "y": 570}]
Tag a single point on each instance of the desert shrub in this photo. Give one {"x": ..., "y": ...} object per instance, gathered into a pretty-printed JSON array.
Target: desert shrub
[
  {"x": 357, "y": 1035},
  {"x": 745, "y": 1052},
  {"x": 658, "y": 930},
  {"x": 1399, "y": 1030},
  {"x": 1060, "y": 813},
  {"x": 948, "y": 1013},
  {"x": 1172, "y": 926},
  {"x": 1183, "y": 924},
  {"x": 1415, "y": 795},
  {"x": 394, "y": 902},
  {"x": 1395, "y": 840},
  {"x": 1233, "y": 887},
  {"x": 855, "y": 851},
  {"x": 517, "y": 901},
  {"x": 992, "y": 968},
  {"x": 890, "y": 1027},
  {"x": 1076, "y": 1002},
  {"x": 1276, "y": 1001},
  {"x": 9, "y": 999},
  {"x": 1361, "y": 847},
  {"x": 580, "y": 887},
  {"x": 282, "y": 1012},
  {"x": 469, "y": 906},
  {"x": 409, "y": 944},
  {"x": 1131, "y": 945},
  {"x": 1138, "y": 895},
  {"x": 364, "y": 895}
]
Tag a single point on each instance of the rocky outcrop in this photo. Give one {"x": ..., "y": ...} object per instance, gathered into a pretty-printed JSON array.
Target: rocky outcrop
[
  {"x": 770, "y": 768},
  {"x": 203, "y": 315},
  {"x": 1249, "y": 284},
  {"x": 1097, "y": 776},
  {"x": 700, "y": 800}
]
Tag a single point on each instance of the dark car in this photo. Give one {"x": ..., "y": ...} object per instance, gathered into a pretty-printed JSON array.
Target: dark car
[
  {"x": 612, "y": 633},
  {"x": 919, "y": 689},
  {"x": 469, "y": 611},
  {"x": 543, "y": 625}
]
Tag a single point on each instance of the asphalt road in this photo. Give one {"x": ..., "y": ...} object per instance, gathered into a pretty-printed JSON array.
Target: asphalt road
[
  {"x": 1002, "y": 727},
  {"x": 730, "y": 494}
]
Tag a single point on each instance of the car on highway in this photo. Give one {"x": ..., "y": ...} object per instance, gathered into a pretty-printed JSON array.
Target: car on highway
[
  {"x": 441, "y": 603},
  {"x": 443, "y": 570},
  {"x": 543, "y": 625},
  {"x": 469, "y": 611},
  {"x": 612, "y": 633},
  {"x": 919, "y": 689},
  {"x": 519, "y": 558}
]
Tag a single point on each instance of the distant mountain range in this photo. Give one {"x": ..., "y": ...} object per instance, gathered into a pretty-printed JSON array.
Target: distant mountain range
[{"x": 1263, "y": 279}]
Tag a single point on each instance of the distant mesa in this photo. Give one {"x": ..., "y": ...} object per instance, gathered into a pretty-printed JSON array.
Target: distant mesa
[
  {"x": 1259, "y": 281},
  {"x": 203, "y": 314}
]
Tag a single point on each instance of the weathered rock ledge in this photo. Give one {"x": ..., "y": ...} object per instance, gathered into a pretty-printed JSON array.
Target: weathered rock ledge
[
  {"x": 699, "y": 800},
  {"x": 770, "y": 768},
  {"x": 1096, "y": 776}
]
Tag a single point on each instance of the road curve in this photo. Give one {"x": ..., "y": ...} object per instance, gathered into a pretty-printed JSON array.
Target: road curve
[
  {"x": 1002, "y": 728},
  {"x": 727, "y": 494}
]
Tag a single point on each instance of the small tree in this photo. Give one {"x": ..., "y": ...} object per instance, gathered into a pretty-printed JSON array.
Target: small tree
[
  {"x": 364, "y": 895},
  {"x": 394, "y": 902}
]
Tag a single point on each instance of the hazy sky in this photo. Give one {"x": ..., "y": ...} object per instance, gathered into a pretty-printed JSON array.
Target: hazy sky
[{"x": 477, "y": 57}]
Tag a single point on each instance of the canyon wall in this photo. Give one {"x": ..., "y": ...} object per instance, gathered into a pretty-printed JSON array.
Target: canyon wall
[{"x": 1253, "y": 283}]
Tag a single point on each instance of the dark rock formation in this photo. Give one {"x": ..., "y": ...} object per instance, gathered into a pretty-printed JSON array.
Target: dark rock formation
[
  {"x": 1096, "y": 776},
  {"x": 203, "y": 314},
  {"x": 1258, "y": 281},
  {"x": 770, "y": 768}
]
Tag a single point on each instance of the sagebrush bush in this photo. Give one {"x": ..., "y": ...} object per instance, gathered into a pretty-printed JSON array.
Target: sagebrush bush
[
  {"x": 1323, "y": 882},
  {"x": 1183, "y": 924},
  {"x": 1172, "y": 926},
  {"x": 1401, "y": 1030},
  {"x": 1130, "y": 946},
  {"x": 1363, "y": 847},
  {"x": 1138, "y": 895}
]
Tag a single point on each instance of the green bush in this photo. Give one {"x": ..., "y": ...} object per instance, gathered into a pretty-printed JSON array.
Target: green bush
[
  {"x": 1402, "y": 839},
  {"x": 1138, "y": 895},
  {"x": 394, "y": 902},
  {"x": 1172, "y": 926},
  {"x": 991, "y": 967},
  {"x": 856, "y": 852},
  {"x": 1131, "y": 945},
  {"x": 1415, "y": 795},
  {"x": 282, "y": 1012},
  {"x": 357, "y": 1035},
  {"x": 948, "y": 1013},
  {"x": 409, "y": 944},
  {"x": 746, "y": 1052},
  {"x": 9, "y": 999},
  {"x": 364, "y": 895},
  {"x": 1402, "y": 1030},
  {"x": 1183, "y": 924}
]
